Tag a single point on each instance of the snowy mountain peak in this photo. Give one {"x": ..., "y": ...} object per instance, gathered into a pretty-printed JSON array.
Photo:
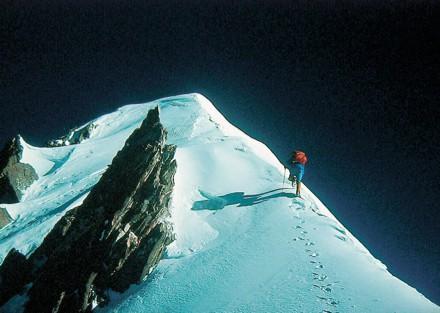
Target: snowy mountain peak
[{"x": 244, "y": 243}]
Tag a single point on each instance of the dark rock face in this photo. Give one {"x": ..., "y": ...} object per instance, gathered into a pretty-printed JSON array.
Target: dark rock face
[
  {"x": 15, "y": 176},
  {"x": 14, "y": 273},
  {"x": 75, "y": 136},
  {"x": 116, "y": 237}
]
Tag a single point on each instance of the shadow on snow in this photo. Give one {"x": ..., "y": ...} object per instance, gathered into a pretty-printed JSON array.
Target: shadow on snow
[{"x": 238, "y": 198}]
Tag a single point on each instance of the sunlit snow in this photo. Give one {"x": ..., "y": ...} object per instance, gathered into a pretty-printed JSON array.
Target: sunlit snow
[{"x": 244, "y": 243}]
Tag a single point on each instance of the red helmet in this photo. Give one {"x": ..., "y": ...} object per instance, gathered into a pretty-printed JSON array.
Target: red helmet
[{"x": 300, "y": 157}]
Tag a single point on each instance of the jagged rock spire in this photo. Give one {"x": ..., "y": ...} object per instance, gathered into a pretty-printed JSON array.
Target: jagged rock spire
[{"x": 116, "y": 237}]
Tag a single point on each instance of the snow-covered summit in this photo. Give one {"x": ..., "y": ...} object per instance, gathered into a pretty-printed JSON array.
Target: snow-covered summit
[{"x": 243, "y": 242}]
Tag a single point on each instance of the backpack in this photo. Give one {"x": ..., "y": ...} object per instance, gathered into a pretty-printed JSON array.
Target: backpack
[{"x": 300, "y": 157}]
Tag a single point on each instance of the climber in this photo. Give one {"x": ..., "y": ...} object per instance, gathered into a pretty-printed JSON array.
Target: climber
[{"x": 296, "y": 164}]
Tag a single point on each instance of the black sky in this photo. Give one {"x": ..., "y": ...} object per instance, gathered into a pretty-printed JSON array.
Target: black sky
[{"x": 353, "y": 83}]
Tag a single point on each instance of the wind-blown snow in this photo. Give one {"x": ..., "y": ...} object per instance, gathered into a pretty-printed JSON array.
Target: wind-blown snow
[{"x": 244, "y": 243}]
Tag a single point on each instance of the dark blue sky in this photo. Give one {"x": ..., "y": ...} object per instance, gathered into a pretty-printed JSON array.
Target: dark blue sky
[{"x": 353, "y": 83}]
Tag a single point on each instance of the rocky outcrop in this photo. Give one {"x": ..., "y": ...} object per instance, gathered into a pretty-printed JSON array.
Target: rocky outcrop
[
  {"x": 15, "y": 177},
  {"x": 14, "y": 273},
  {"x": 116, "y": 237},
  {"x": 75, "y": 136},
  {"x": 5, "y": 218}
]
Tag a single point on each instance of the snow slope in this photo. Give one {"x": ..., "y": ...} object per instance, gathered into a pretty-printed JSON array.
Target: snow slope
[{"x": 244, "y": 243}]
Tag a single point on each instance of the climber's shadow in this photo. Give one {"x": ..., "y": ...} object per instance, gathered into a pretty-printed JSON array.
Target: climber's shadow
[{"x": 219, "y": 202}]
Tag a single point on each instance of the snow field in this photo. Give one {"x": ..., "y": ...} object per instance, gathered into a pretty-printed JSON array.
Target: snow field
[{"x": 243, "y": 242}]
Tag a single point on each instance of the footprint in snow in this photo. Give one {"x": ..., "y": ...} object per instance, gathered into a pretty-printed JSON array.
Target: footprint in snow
[
  {"x": 343, "y": 238},
  {"x": 319, "y": 277},
  {"x": 317, "y": 212},
  {"x": 329, "y": 301},
  {"x": 298, "y": 238},
  {"x": 298, "y": 203},
  {"x": 340, "y": 230}
]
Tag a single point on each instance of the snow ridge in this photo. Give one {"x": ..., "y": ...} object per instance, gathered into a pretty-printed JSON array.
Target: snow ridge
[{"x": 243, "y": 242}]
